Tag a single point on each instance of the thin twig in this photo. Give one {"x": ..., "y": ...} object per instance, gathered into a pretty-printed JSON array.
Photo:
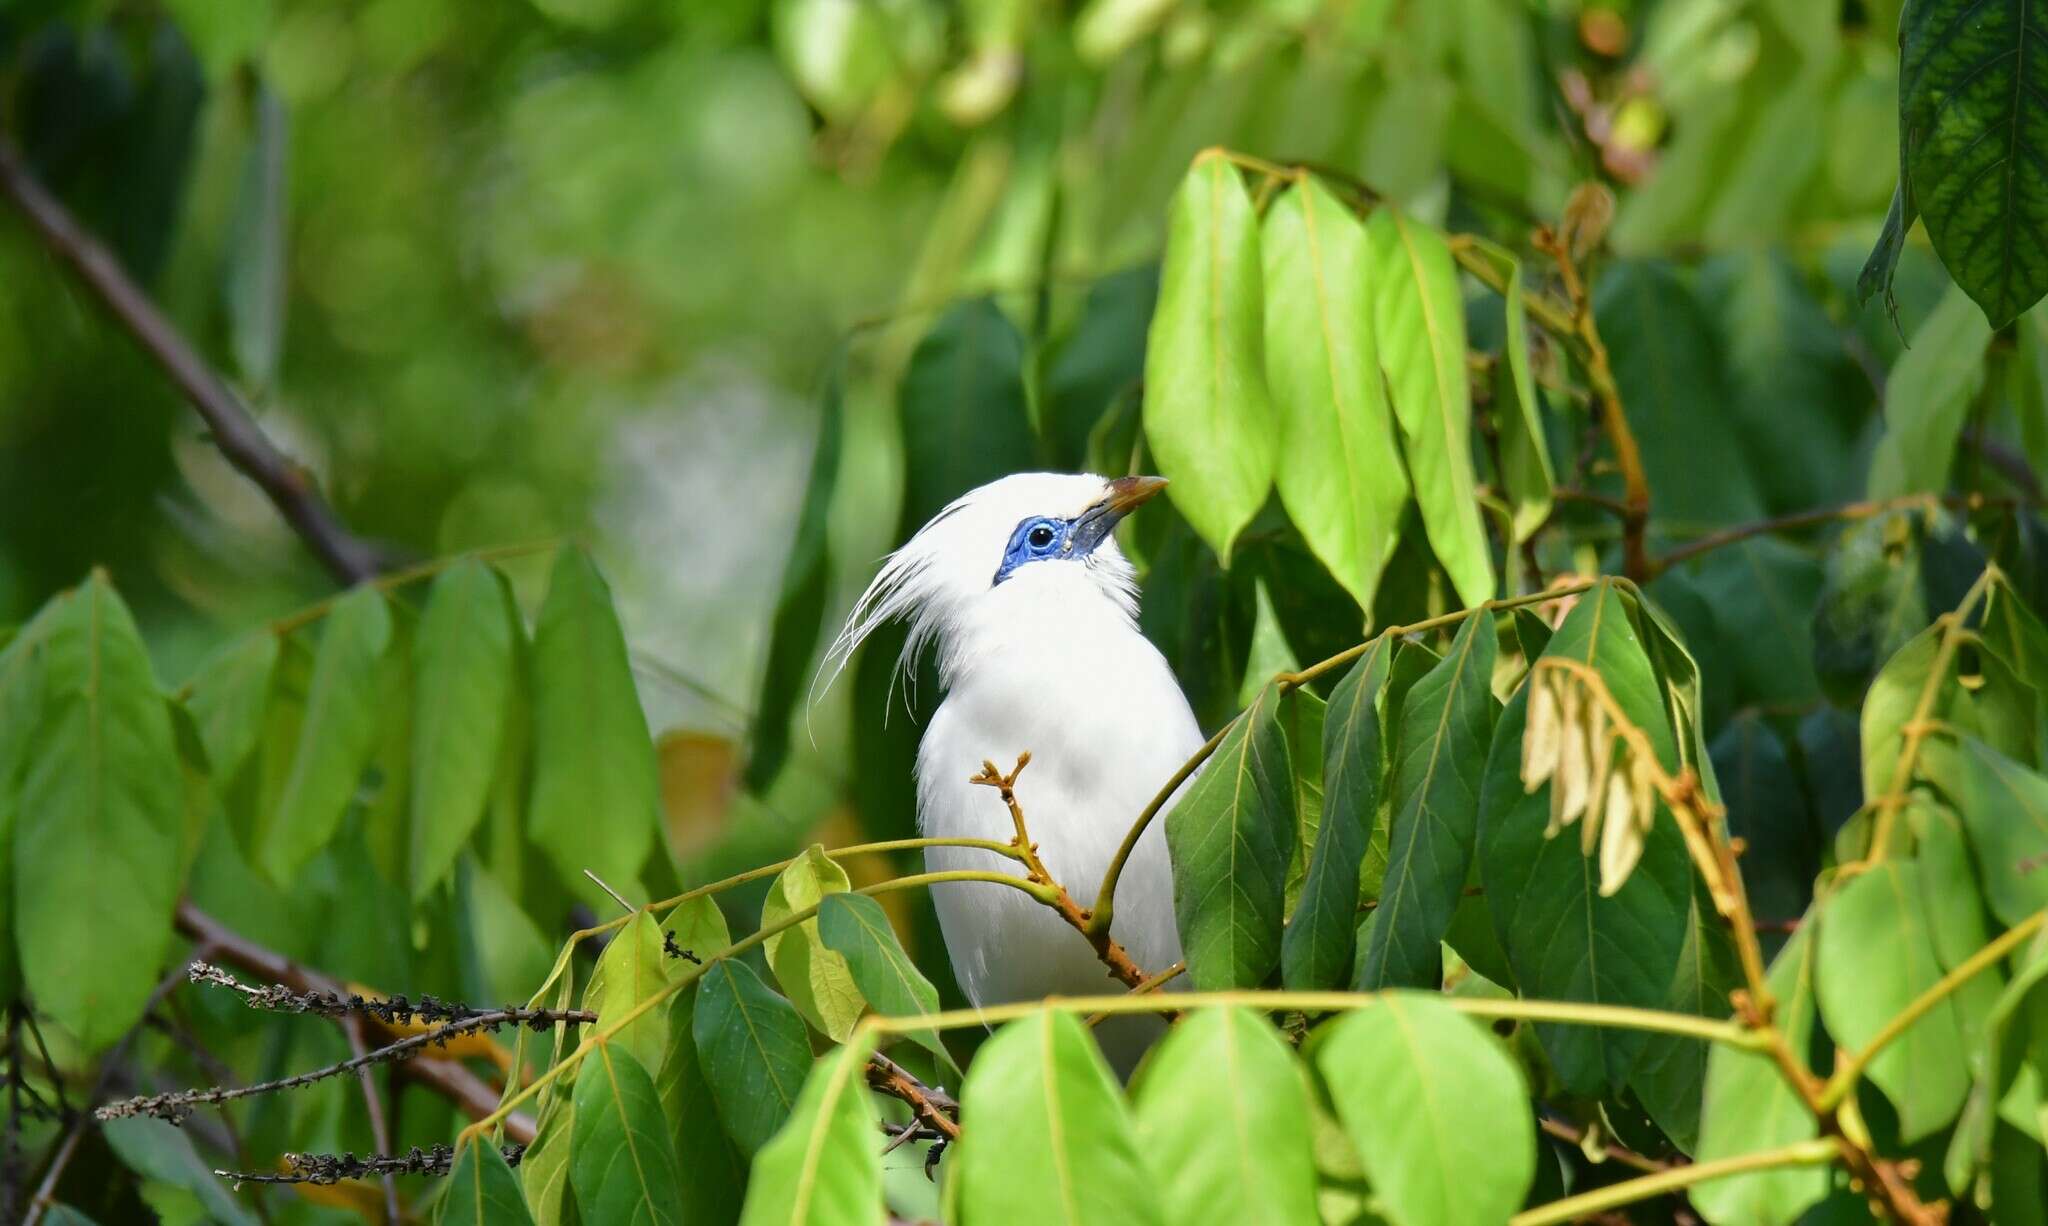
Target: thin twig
[
  {"x": 933, "y": 1108},
  {"x": 373, "y": 1107},
  {"x": 1868, "y": 509},
  {"x": 1575, "y": 1136},
  {"x": 289, "y": 486},
  {"x": 434, "y": 1160}
]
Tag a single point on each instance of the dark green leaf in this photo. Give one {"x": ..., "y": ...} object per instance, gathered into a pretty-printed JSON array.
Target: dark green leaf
[
  {"x": 1230, "y": 836},
  {"x": 1764, "y": 593},
  {"x": 481, "y": 1190},
  {"x": 753, "y": 1048},
  {"x": 1876, "y": 954},
  {"x": 964, "y": 417},
  {"x": 1208, "y": 418},
  {"x": 622, "y": 1167},
  {"x": 1438, "y": 1111},
  {"x": 1973, "y": 116},
  {"x": 715, "y": 1172},
  {"x": 1748, "y": 1107},
  {"x": 1439, "y": 757},
  {"x": 336, "y": 735},
  {"x": 1042, "y": 1124},
  {"x": 1223, "y": 1106},
  {"x": 806, "y": 579},
  {"x": 1101, "y": 361},
  {"x": 1316, "y": 950},
  {"x": 1672, "y": 1070},
  {"x": 1338, "y": 468},
  {"x": 1419, "y": 319},
  {"x": 594, "y": 805},
  {"x": 823, "y": 1168},
  {"x": 156, "y": 1149},
  {"x": 463, "y": 660},
  {"x": 99, "y": 826},
  {"x": 856, "y": 927}
]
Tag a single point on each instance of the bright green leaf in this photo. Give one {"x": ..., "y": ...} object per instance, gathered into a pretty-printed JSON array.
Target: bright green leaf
[
  {"x": 823, "y": 1168},
  {"x": 815, "y": 976},
  {"x": 1525, "y": 468},
  {"x": 1042, "y": 1124},
  {"x": 2004, "y": 806},
  {"x": 99, "y": 821},
  {"x": 227, "y": 697},
  {"x": 1748, "y": 1108},
  {"x": 1926, "y": 398},
  {"x": 1439, "y": 1113},
  {"x": 594, "y": 805},
  {"x": 157, "y": 1149},
  {"x": 855, "y": 927},
  {"x": 1419, "y": 320},
  {"x": 1876, "y": 954},
  {"x": 1208, "y": 417},
  {"x": 633, "y": 969},
  {"x": 336, "y": 735},
  {"x": 1338, "y": 469},
  {"x": 1223, "y": 1107},
  {"x": 463, "y": 661},
  {"x": 481, "y": 1190}
]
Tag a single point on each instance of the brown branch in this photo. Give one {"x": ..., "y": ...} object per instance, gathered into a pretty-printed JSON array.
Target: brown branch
[
  {"x": 448, "y": 1078},
  {"x": 289, "y": 486},
  {"x": 1868, "y": 509},
  {"x": 1575, "y": 1136},
  {"x": 934, "y": 1109},
  {"x": 1113, "y": 955}
]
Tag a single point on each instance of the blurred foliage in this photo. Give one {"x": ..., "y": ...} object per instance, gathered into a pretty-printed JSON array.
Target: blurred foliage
[{"x": 737, "y": 294}]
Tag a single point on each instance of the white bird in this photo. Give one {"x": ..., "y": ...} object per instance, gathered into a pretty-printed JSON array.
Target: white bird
[{"x": 1033, "y": 610}]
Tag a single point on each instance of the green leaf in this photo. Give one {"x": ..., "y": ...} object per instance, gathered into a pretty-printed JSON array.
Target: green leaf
[
  {"x": 1670, "y": 376},
  {"x": 1338, "y": 468},
  {"x": 622, "y": 1167},
  {"x": 753, "y": 1048},
  {"x": 594, "y": 805},
  {"x": 463, "y": 662},
  {"x": 1303, "y": 714},
  {"x": 1439, "y": 757},
  {"x": 823, "y": 1168},
  {"x": 1876, "y": 955},
  {"x": 1669, "y": 1075},
  {"x": 99, "y": 823},
  {"x": 634, "y": 968},
  {"x": 1748, "y": 1108},
  {"x": 1437, "y": 1110},
  {"x": 1954, "y": 905},
  {"x": 855, "y": 927},
  {"x": 1419, "y": 320},
  {"x": 1525, "y": 468},
  {"x": 806, "y": 583},
  {"x": 714, "y": 1169},
  {"x": 1316, "y": 950},
  {"x": 544, "y": 1171},
  {"x": 2004, "y": 807},
  {"x": 481, "y": 1190},
  {"x": 1223, "y": 1107},
  {"x": 1098, "y": 366},
  {"x": 156, "y": 1149},
  {"x": 256, "y": 258},
  {"x": 1563, "y": 939},
  {"x": 22, "y": 668},
  {"x": 1208, "y": 417},
  {"x": 1890, "y": 704},
  {"x": 1972, "y": 109},
  {"x": 336, "y": 735},
  {"x": 1926, "y": 397},
  {"x": 1230, "y": 836},
  {"x": 816, "y": 977},
  {"x": 227, "y": 699},
  {"x": 964, "y": 417},
  {"x": 1042, "y": 1125}
]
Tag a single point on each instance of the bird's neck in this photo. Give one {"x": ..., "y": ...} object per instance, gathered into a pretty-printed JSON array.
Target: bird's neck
[{"x": 1038, "y": 633}]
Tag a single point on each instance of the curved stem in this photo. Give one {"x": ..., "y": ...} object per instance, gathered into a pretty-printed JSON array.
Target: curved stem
[
  {"x": 1844, "y": 1080},
  {"x": 1570, "y": 1013},
  {"x": 1586, "y": 1204}
]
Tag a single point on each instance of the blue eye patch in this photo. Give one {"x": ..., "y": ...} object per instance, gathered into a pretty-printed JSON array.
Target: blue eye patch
[{"x": 1035, "y": 539}]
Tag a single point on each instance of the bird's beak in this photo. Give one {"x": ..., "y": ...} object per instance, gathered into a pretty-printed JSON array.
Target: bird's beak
[{"x": 1126, "y": 494}]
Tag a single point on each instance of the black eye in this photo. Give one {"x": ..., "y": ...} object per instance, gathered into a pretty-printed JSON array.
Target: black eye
[{"x": 1040, "y": 537}]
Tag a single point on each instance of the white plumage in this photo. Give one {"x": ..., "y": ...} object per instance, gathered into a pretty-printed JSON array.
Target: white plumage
[{"x": 1032, "y": 609}]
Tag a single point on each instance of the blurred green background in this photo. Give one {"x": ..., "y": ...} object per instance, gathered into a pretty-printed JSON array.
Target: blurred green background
[{"x": 507, "y": 272}]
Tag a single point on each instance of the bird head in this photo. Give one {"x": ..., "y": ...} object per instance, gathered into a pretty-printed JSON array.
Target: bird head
[{"x": 1026, "y": 548}]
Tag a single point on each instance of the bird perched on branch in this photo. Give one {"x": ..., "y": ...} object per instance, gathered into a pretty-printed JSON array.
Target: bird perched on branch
[{"x": 1033, "y": 611}]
